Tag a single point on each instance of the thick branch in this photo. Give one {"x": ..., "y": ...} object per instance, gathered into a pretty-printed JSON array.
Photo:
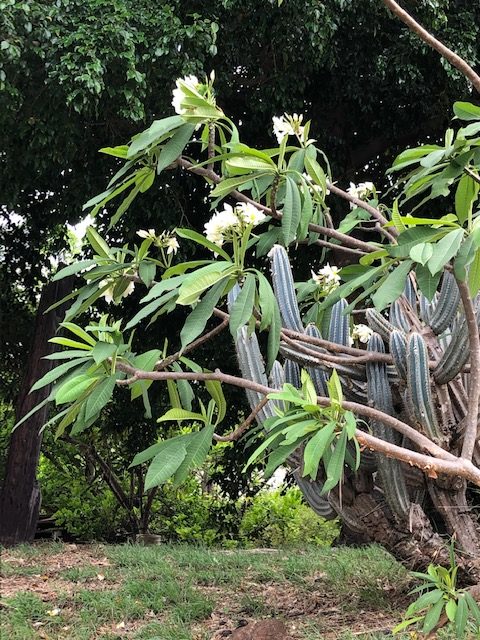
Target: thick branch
[
  {"x": 443, "y": 462},
  {"x": 471, "y": 418},
  {"x": 427, "y": 37}
]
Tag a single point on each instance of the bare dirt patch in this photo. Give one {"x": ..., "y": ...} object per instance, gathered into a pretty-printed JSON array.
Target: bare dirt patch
[{"x": 48, "y": 585}]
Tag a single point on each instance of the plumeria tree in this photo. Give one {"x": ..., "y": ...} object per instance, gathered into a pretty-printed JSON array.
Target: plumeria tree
[{"x": 377, "y": 419}]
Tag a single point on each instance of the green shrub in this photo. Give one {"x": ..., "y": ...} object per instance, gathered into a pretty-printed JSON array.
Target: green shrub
[{"x": 278, "y": 518}]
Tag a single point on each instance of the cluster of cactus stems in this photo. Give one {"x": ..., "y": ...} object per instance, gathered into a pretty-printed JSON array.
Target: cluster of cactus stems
[{"x": 424, "y": 383}]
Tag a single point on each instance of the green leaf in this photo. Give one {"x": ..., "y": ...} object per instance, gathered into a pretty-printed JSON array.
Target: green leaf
[
  {"x": 428, "y": 284},
  {"x": 242, "y": 308},
  {"x": 165, "y": 285},
  {"x": 74, "y": 388},
  {"x": 474, "y": 275},
  {"x": 72, "y": 269},
  {"x": 444, "y": 250},
  {"x": 336, "y": 463},
  {"x": 99, "y": 397},
  {"x": 165, "y": 463},
  {"x": 291, "y": 211},
  {"x": 199, "y": 239},
  {"x": 266, "y": 299},
  {"x": 153, "y": 134},
  {"x": 56, "y": 373},
  {"x": 224, "y": 187},
  {"x": 147, "y": 271},
  {"x": 174, "y": 147},
  {"x": 118, "y": 152},
  {"x": 98, "y": 244},
  {"x": 432, "y": 617},
  {"x": 214, "y": 388},
  {"x": 239, "y": 165},
  {"x": 180, "y": 415},
  {"x": 278, "y": 457},
  {"x": 66, "y": 342},
  {"x": 451, "y": 609},
  {"x": 36, "y": 408},
  {"x": 315, "y": 449},
  {"x": 146, "y": 454},
  {"x": 103, "y": 350},
  {"x": 466, "y": 111},
  {"x": 411, "y": 237},
  {"x": 198, "y": 281},
  {"x": 198, "y": 318},
  {"x": 150, "y": 308},
  {"x": 425, "y": 600},
  {"x": 393, "y": 286},
  {"x": 421, "y": 253},
  {"x": 198, "y": 447},
  {"x": 465, "y": 196}
]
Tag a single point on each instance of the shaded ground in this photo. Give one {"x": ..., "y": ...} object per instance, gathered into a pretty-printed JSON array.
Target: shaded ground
[{"x": 58, "y": 591}]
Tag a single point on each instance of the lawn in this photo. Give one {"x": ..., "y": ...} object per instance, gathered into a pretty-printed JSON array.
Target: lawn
[{"x": 82, "y": 592}]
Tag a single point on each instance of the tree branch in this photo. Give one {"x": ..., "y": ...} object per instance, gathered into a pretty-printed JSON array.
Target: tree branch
[
  {"x": 239, "y": 431},
  {"x": 443, "y": 462},
  {"x": 429, "y": 39},
  {"x": 471, "y": 419},
  {"x": 375, "y": 213}
]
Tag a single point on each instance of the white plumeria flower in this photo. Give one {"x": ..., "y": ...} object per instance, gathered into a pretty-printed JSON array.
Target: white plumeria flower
[
  {"x": 146, "y": 234},
  {"x": 328, "y": 278},
  {"x": 330, "y": 273},
  {"x": 249, "y": 214},
  {"x": 108, "y": 293},
  {"x": 360, "y": 191},
  {"x": 287, "y": 125},
  {"x": 172, "y": 245},
  {"x": 190, "y": 82},
  {"x": 362, "y": 333}
]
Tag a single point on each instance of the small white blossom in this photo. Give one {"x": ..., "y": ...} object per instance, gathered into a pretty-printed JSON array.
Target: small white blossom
[
  {"x": 249, "y": 214},
  {"x": 362, "y": 333},
  {"x": 172, "y": 245},
  {"x": 189, "y": 82},
  {"x": 146, "y": 234},
  {"x": 108, "y": 293},
  {"x": 360, "y": 191},
  {"x": 328, "y": 278},
  {"x": 287, "y": 125}
]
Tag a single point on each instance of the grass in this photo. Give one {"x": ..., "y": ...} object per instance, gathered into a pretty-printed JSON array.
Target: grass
[{"x": 180, "y": 592}]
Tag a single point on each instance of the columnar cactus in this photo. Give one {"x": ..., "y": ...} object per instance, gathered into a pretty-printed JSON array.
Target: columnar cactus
[{"x": 424, "y": 383}]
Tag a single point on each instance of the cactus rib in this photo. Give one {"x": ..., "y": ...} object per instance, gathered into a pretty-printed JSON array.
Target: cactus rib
[
  {"x": 418, "y": 377},
  {"x": 284, "y": 289},
  {"x": 447, "y": 304},
  {"x": 390, "y": 471}
]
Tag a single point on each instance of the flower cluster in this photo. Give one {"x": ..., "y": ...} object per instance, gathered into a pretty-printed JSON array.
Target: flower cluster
[
  {"x": 328, "y": 278},
  {"x": 287, "y": 125},
  {"x": 166, "y": 240},
  {"x": 360, "y": 191},
  {"x": 361, "y": 332},
  {"x": 232, "y": 220},
  {"x": 192, "y": 99},
  {"x": 188, "y": 83}
]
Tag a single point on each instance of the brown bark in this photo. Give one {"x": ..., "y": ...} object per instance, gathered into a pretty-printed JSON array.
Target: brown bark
[{"x": 20, "y": 497}]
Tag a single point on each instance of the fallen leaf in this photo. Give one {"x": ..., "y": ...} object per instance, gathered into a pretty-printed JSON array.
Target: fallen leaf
[
  {"x": 100, "y": 577},
  {"x": 54, "y": 612}
]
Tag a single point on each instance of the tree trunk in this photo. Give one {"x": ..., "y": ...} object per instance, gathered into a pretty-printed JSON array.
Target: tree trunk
[{"x": 20, "y": 497}]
